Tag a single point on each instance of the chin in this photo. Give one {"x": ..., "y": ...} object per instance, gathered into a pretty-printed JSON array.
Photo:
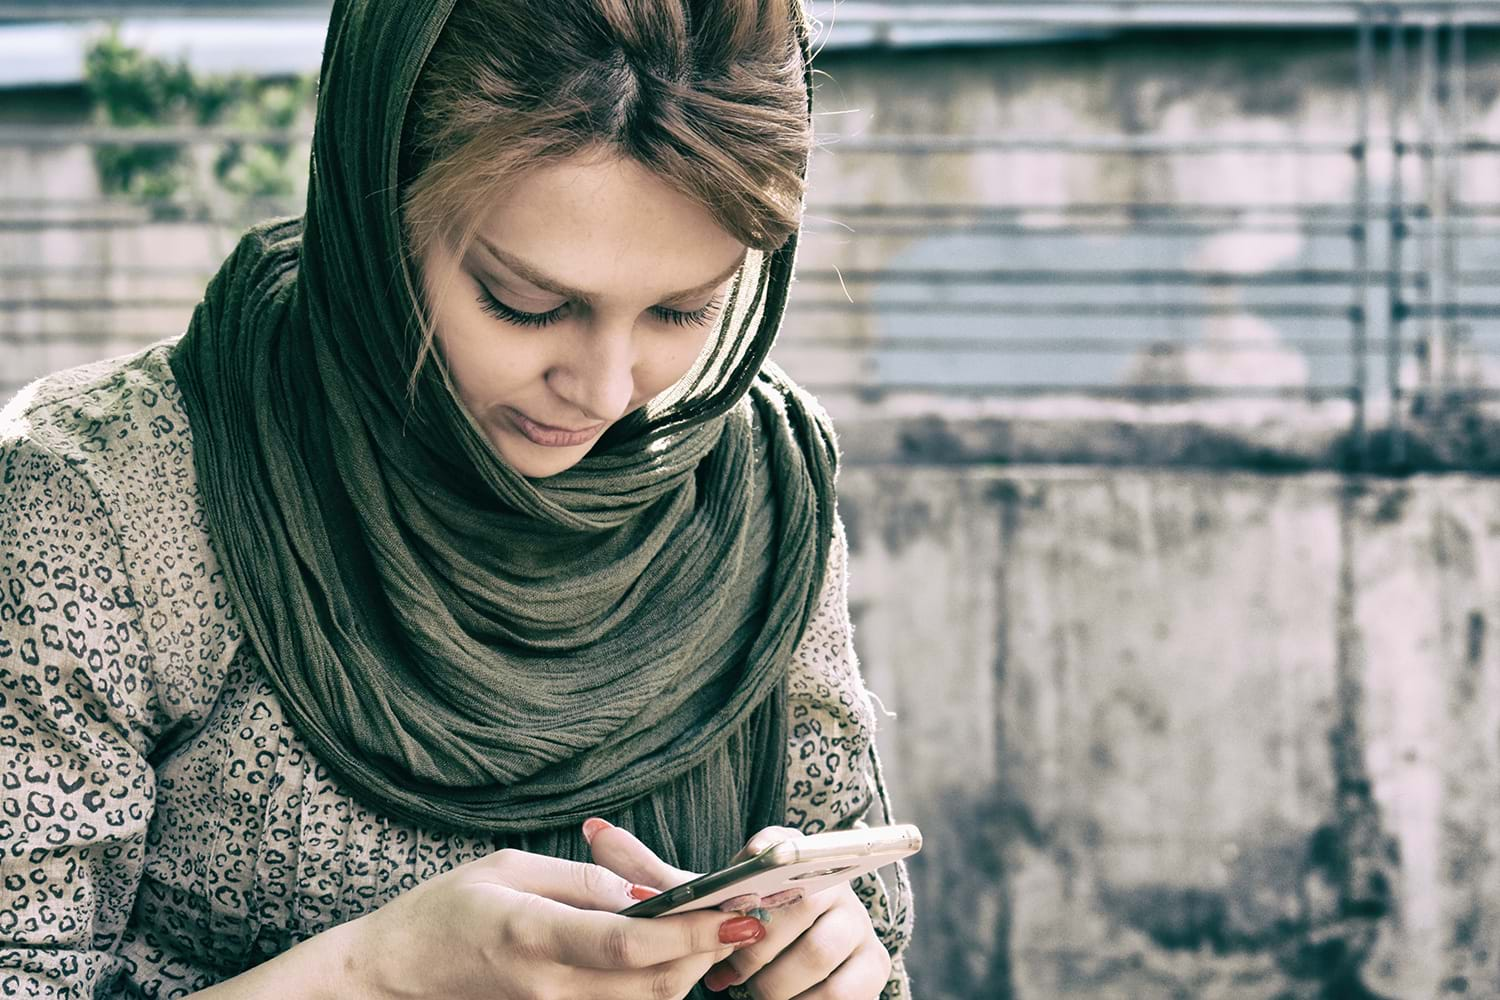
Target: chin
[{"x": 534, "y": 461}]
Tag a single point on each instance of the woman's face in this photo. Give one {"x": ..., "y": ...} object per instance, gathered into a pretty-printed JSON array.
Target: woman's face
[{"x": 591, "y": 289}]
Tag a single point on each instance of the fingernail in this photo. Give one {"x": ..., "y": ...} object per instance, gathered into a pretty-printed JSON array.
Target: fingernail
[
  {"x": 591, "y": 826},
  {"x": 720, "y": 978},
  {"x": 741, "y": 930},
  {"x": 786, "y": 897},
  {"x": 643, "y": 892}
]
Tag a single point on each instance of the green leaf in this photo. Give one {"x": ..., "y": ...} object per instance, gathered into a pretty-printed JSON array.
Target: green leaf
[{"x": 132, "y": 89}]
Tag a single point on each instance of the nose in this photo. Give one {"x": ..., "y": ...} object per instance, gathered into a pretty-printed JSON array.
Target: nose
[{"x": 598, "y": 375}]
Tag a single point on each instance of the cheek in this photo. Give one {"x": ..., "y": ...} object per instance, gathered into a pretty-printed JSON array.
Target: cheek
[
  {"x": 486, "y": 359},
  {"x": 668, "y": 359}
]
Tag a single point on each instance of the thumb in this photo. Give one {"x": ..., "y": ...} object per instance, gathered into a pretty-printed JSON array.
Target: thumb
[
  {"x": 622, "y": 852},
  {"x": 765, "y": 838}
]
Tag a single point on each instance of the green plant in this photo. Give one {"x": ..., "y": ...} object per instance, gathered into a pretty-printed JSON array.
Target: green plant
[{"x": 131, "y": 89}]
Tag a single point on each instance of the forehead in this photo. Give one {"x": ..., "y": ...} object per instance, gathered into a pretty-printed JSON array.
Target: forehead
[{"x": 609, "y": 227}]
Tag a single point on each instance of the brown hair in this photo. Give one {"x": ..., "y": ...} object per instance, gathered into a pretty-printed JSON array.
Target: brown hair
[{"x": 708, "y": 94}]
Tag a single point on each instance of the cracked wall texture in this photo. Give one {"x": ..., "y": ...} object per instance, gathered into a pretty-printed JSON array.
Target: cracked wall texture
[{"x": 1198, "y": 734}]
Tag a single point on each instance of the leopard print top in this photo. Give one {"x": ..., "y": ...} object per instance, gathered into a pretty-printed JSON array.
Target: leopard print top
[{"x": 162, "y": 827}]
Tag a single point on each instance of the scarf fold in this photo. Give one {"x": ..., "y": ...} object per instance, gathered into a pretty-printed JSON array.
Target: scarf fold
[{"x": 465, "y": 648}]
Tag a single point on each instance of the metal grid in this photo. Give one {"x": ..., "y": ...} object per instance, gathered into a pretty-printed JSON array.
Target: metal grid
[{"x": 1405, "y": 297}]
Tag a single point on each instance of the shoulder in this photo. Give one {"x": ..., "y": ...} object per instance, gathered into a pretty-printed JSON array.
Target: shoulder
[
  {"x": 117, "y": 427},
  {"x": 831, "y": 717},
  {"x": 96, "y": 467},
  {"x": 825, "y": 654},
  {"x": 93, "y": 416},
  {"x": 825, "y": 688}
]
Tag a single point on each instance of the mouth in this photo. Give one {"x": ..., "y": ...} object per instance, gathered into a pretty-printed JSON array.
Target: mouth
[{"x": 548, "y": 436}]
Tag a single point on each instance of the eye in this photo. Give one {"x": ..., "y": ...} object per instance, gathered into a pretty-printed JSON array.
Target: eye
[
  {"x": 696, "y": 317},
  {"x": 701, "y": 316},
  {"x": 501, "y": 311}
]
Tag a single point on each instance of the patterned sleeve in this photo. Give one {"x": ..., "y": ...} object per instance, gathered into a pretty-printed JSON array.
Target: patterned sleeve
[
  {"x": 834, "y": 779},
  {"x": 77, "y": 718}
]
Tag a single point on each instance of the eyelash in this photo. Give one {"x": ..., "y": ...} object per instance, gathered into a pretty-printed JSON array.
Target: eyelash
[{"x": 501, "y": 311}]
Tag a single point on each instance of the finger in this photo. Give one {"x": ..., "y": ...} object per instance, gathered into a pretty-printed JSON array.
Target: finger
[
  {"x": 579, "y": 885},
  {"x": 669, "y": 979},
  {"x": 782, "y": 928},
  {"x": 863, "y": 974},
  {"x": 812, "y": 958},
  {"x": 743, "y": 903},
  {"x": 594, "y": 940},
  {"x": 785, "y": 924},
  {"x": 623, "y": 853},
  {"x": 764, "y": 838},
  {"x": 784, "y": 898}
]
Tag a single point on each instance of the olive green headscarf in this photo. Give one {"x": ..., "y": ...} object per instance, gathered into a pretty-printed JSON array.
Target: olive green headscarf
[{"x": 466, "y": 648}]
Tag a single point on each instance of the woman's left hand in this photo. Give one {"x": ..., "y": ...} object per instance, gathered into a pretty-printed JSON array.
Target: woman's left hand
[{"x": 822, "y": 947}]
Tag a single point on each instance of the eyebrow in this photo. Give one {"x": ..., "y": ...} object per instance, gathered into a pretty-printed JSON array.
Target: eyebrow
[{"x": 550, "y": 284}]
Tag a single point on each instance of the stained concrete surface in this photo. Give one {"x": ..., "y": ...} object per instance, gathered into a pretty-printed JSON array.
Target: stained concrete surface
[{"x": 1188, "y": 733}]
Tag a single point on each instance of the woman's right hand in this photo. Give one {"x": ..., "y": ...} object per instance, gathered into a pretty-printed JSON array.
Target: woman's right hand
[{"x": 520, "y": 926}]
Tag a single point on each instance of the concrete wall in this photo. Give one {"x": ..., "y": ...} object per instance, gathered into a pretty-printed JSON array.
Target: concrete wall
[
  {"x": 1268, "y": 86},
  {"x": 83, "y": 278},
  {"x": 1202, "y": 85},
  {"x": 1188, "y": 734}
]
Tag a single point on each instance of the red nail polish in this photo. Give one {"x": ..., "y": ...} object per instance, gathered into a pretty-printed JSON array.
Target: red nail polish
[
  {"x": 643, "y": 892},
  {"x": 720, "y": 978},
  {"x": 741, "y": 930},
  {"x": 776, "y": 900},
  {"x": 592, "y": 826}
]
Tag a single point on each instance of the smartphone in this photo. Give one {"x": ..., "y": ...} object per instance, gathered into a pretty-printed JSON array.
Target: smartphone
[{"x": 812, "y": 863}]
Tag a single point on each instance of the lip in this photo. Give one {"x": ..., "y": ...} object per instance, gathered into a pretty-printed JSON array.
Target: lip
[{"x": 550, "y": 437}]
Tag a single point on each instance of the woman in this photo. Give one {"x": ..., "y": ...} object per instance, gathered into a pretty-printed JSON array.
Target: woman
[{"x": 464, "y": 572}]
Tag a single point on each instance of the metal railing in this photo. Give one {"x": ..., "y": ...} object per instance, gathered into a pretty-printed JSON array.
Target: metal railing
[{"x": 1404, "y": 306}]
